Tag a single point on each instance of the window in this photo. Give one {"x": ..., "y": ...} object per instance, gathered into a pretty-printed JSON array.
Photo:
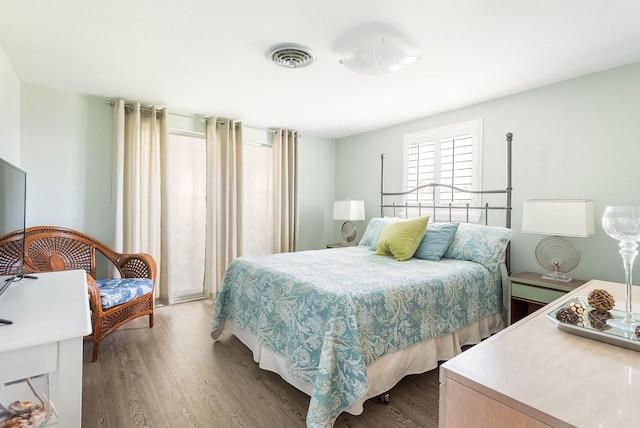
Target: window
[
  {"x": 257, "y": 204},
  {"x": 187, "y": 178},
  {"x": 450, "y": 155}
]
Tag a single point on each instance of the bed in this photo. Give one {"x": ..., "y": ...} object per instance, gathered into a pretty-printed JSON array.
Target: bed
[{"x": 344, "y": 325}]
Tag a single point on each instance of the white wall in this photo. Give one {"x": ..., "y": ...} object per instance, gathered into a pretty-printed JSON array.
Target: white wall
[
  {"x": 316, "y": 191},
  {"x": 9, "y": 111},
  {"x": 66, "y": 151},
  {"x": 575, "y": 139}
]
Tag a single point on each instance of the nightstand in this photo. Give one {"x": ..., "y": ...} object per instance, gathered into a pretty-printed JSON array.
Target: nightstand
[
  {"x": 529, "y": 292},
  {"x": 338, "y": 245}
]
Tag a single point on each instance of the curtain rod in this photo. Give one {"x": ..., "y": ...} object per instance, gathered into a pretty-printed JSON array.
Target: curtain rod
[
  {"x": 288, "y": 131},
  {"x": 128, "y": 108},
  {"x": 222, "y": 121},
  {"x": 160, "y": 113}
]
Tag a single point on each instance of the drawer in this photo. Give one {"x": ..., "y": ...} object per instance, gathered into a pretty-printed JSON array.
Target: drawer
[
  {"x": 25, "y": 362},
  {"x": 536, "y": 294}
]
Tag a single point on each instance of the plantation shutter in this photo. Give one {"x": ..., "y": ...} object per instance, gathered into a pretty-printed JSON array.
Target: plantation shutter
[{"x": 446, "y": 161}]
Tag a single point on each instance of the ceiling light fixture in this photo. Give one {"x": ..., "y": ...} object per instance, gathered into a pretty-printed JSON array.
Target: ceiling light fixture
[
  {"x": 379, "y": 58},
  {"x": 291, "y": 55}
]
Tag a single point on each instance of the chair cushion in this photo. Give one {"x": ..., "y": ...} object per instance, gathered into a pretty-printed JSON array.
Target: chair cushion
[{"x": 122, "y": 290}]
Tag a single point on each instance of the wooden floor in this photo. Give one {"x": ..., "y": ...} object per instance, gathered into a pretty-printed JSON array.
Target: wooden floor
[{"x": 175, "y": 375}]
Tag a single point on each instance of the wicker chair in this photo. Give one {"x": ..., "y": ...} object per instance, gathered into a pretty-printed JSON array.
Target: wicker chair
[
  {"x": 50, "y": 248},
  {"x": 10, "y": 252}
]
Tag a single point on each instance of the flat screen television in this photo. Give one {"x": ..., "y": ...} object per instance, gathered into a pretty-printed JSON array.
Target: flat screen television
[{"x": 13, "y": 194}]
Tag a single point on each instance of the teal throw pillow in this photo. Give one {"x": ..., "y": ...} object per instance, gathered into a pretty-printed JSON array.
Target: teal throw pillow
[{"x": 436, "y": 241}]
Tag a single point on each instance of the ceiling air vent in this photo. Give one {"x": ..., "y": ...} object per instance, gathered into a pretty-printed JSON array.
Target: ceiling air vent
[{"x": 291, "y": 55}]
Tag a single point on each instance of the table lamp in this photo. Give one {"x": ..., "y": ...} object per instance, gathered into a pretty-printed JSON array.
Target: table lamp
[
  {"x": 560, "y": 218},
  {"x": 350, "y": 211}
]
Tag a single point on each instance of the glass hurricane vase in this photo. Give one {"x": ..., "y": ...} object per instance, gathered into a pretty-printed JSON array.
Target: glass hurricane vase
[{"x": 623, "y": 224}]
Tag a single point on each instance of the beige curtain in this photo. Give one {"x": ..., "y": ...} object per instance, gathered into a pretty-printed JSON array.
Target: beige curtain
[
  {"x": 140, "y": 182},
  {"x": 285, "y": 186},
  {"x": 224, "y": 197}
]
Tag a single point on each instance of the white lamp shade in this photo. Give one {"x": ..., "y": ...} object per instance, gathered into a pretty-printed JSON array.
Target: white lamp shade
[
  {"x": 348, "y": 210},
  {"x": 558, "y": 217}
]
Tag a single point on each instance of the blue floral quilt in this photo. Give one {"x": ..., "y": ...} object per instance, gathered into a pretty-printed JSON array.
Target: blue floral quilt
[{"x": 329, "y": 313}]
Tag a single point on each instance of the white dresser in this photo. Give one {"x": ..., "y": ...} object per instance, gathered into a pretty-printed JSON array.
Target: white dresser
[
  {"x": 536, "y": 375},
  {"x": 50, "y": 317}
]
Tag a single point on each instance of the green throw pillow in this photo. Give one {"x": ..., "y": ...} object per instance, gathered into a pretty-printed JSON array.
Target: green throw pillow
[{"x": 402, "y": 239}]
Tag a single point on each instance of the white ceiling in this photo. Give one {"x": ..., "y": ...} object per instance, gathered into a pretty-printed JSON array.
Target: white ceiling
[{"x": 209, "y": 56}]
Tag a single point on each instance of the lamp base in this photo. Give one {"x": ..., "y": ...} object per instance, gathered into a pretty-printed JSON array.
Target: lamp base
[
  {"x": 348, "y": 232},
  {"x": 558, "y": 255},
  {"x": 556, "y": 276}
]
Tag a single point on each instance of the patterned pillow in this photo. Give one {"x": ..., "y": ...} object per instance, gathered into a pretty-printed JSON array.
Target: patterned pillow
[
  {"x": 122, "y": 290},
  {"x": 478, "y": 243},
  {"x": 436, "y": 241},
  {"x": 373, "y": 231},
  {"x": 401, "y": 239}
]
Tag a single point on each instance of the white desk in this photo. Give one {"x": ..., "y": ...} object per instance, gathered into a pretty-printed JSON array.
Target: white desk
[
  {"x": 536, "y": 375},
  {"x": 50, "y": 317}
]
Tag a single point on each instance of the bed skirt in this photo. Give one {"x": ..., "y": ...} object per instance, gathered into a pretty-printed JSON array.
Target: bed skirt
[{"x": 388, "y": 370}]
